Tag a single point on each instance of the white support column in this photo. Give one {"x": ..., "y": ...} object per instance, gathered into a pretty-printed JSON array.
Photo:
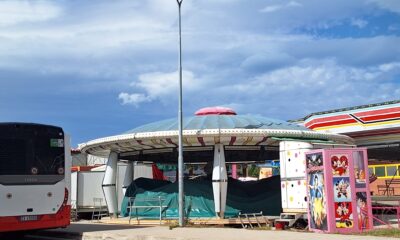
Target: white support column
[
  {"x": 109, "y": 184},
  {"x": 128, "y": 177},
  {"x": 219, "y": 180}
]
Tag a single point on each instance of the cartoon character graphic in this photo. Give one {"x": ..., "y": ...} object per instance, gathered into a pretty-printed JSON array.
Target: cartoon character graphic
[
  {"x": 340, "y": 165},
  {"x": 344, "y": 217},
  {"x": 362, "y": 210},
  {"x": 314, "y": 160},
  {"x": 359, "y": 170},
  {"x": 341, "y": 188},
  {"x": 317, "y": 201},
  {"x": 334, "y": 161},
  {"x": 360, "y": 175}
]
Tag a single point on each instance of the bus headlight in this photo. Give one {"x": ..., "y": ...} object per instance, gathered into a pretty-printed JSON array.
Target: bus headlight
[
  {"x": 60, "y": 170},
  {"x": 34, "y": 170}
]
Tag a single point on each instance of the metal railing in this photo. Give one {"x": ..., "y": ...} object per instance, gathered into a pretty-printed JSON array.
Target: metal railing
[
  {"x": 135, "y": 203},
  {"x": 98, "y": 210},
  {"x": 247, "y": 218}
]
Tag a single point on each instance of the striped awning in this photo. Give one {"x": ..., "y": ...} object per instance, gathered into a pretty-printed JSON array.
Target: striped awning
[{"x": 132, "y": 142}]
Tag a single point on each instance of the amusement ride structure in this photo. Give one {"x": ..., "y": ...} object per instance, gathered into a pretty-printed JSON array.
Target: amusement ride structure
[{"x": 218, "y": 135}]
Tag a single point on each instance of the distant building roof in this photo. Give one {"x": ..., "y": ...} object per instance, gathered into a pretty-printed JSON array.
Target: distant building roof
[{"x": 345, "y": 109}]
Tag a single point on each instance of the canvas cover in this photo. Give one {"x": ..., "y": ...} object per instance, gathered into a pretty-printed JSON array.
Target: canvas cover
[{"x": 246, "y": 197}]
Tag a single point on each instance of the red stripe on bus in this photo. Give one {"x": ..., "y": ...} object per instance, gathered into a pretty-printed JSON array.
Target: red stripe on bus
[{"x": 60, "y": 219}]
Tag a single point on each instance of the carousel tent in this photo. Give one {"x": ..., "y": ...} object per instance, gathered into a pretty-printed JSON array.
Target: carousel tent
[
  {"x": 215, "y": 135},
  {"x": 205, "y": 130}
]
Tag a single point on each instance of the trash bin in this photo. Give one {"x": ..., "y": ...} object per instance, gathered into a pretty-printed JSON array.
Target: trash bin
[{"x": 279, "y": 226}]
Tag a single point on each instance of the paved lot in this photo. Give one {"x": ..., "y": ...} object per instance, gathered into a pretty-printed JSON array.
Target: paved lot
[{"x": 110, "y": 232}]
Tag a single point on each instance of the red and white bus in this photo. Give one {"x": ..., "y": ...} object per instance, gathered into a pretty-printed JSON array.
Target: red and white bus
[{"x": 34, "y": 177}]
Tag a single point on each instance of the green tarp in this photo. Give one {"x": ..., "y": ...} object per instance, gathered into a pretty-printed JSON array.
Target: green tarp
[{"x": 246, "y": 197}]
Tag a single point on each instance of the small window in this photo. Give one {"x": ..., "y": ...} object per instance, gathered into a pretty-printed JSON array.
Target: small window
[
  {"x": 370, "y": 171},
  {"x": 380, "y": 171},
  {"x": 391, "y": 171}
]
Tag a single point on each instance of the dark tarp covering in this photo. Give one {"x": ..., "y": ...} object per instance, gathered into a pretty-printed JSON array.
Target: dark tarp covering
[{"x": 246, "y": 197}]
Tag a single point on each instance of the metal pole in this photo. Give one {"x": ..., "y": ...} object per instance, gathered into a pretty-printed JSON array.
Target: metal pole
[{"x": 180, "y": 156}]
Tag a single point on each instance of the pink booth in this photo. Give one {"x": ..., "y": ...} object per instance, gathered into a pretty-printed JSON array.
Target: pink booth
[{"x": 338, "y": 194}]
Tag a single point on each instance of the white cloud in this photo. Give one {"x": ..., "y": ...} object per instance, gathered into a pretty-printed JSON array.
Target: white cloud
[
  {"x": 389, "y": 66},
  {"x": 133, "y": 99},
  {"x": 160, "y": 86},
  {"x": 271, "y": 8},
  {"x": 314, "y": 85},
  {"x": 226, "y": 43},
  {"x": 323, "y": 76},
  {"x": 360, "y": 23},
  {"x": 266, "y": 57},
  {"x": 14, "y": 12},
  {"x": 277, "y": 7}
]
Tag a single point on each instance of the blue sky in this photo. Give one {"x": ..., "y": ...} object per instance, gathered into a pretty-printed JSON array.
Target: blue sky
[{"x": 100, "y": 68}]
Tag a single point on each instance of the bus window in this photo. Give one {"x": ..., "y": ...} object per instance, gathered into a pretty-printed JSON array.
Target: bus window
[{"x": 31, "y": 153}]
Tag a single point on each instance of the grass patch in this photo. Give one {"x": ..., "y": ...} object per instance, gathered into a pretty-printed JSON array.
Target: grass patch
[{"x": 387, "y": 232}]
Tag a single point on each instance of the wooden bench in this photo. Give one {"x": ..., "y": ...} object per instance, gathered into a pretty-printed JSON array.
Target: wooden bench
[
  {"x": 147, "y": 203},
  {"x": 385, "y": 190},
  {"x": 388, "y": 188}
]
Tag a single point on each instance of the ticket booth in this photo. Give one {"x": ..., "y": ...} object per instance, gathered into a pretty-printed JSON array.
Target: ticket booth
[{"x": 338, "y": 190}]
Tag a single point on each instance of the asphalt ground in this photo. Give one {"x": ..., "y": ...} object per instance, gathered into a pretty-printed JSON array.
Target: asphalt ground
[{"x": 88, "y": 230}]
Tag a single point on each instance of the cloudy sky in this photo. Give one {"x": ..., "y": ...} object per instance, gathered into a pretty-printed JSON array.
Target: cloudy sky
[{"x": 100, "y": 68}]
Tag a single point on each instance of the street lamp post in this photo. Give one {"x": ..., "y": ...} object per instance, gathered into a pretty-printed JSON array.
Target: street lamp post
[{"x": 180, "y": 116}]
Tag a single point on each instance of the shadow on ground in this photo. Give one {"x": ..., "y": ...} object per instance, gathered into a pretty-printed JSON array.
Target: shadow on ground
[
  {"x": 74, "y": 231},
  {"x": 93, "y": 227}
]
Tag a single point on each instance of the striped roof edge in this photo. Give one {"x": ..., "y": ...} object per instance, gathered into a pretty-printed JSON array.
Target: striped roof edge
[{"x": 344, "y": 109}]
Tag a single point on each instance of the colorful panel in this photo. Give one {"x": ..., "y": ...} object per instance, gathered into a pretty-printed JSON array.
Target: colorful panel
[
  {"x": 344, "y": 214},
  {"x": 317, "y": 201},
  {"x": 362, "y": 210},
  {"x": 359, "y": 169},
  {"x": 314, "y": 160},
  {"x": 340, "y": 165},
  {"x": 341, "y": 189}
]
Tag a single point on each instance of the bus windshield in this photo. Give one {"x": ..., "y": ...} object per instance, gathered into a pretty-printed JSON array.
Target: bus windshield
[{"x": 31, "y": 153}]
